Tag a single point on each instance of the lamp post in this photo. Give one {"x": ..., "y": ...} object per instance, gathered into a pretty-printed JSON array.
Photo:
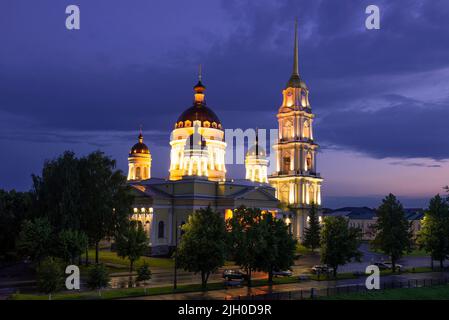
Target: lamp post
[{"x": 175, "y": 275}]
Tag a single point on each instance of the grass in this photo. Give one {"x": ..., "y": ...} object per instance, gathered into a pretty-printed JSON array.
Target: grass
[
  {"x": 118, "y": 293},
  {"x": 429, "y": 293},
  {"x": 300, "y": 249},
  {"x": 114, "y": 261}
]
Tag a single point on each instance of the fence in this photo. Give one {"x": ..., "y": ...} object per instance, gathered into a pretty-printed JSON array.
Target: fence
[{"x": 312, "y": 293}]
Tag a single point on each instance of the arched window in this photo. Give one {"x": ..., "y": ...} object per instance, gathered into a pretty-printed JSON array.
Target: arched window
[
  {"x": 161, "y": 229},
  {"x": 138, "y": 175},
  {"x": 188, "y": 123},
  {"x": 306, "y": 130},
  {"x": 285, "y": 193},
  {"x": 287, "y": 130},
  {"x": 286, "y": 160},
  {"x": 309, "y": 161}
]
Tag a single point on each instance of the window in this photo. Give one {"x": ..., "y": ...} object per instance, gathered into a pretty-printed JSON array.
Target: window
[
  {"x": 161, "y": 229},
  {"x": 309, "y": 162},
  {"x": 138, "y": 175},
  {"x": 306, "y": 131},
  {"x": 287, "y": 130},
  {"x": 286, "y": 164}
]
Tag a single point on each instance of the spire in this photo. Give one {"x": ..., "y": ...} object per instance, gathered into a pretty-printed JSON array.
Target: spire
[
  {"x": 295, "y": 81},
  {"x": 199, "y": 88},
  {"x": 295, "y": 52},
  {"x": 140, "y": 135}
]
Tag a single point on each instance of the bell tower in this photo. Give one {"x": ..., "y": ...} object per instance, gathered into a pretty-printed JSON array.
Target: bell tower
[{"x": 296, "y": 180}]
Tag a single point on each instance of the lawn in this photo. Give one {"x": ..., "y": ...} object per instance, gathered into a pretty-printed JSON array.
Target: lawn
[
  {"x": 429, "y": 293},
  {"x": 118, "y": 293},
  {"x": 110, "y": 257}
]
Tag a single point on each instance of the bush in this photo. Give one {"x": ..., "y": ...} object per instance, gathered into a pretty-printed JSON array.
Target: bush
[
  {"x": 98, "y": 277},
  {"x": 50, "y": 277},
  {"x": 143, "y": 273}
]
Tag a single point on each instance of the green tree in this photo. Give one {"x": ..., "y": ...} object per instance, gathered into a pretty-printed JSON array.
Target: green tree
[
  {"x": 50, "y": 277},
  {"x": 98, "y": 277},
  {"x": 15, "y": 207},
  {"x": 392, "y": 230},
  {"x": 72, "y": 243},
  {"x": 202, "y": 248},
  {"x": 107, "y": 200},
  {"x": 57, "y": 192},
  {"x": 312, "y": 232},
  {"x": 132, "y": 243},
  {"x": 35, "y": 239},
  {"x": 143, "y": 273},
  {"x": 245, "y": 238},
  {"x": 339, "y": 243},
  {"x": 434, "y": 234},
  {"x": 277, "y": 251}
]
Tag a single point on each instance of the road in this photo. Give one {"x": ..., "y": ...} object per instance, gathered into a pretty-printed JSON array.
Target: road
[{"x": 19, "y": 277}]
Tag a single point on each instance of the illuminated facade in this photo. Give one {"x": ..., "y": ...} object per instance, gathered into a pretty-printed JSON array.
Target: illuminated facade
[
  {"x": 197, "y": 142},
  {"x": 296, "y": 180},
  {"x": 197, "y": 172},
  {"x": 256, "y": 163},
  {"x": 139, "y": 161}
]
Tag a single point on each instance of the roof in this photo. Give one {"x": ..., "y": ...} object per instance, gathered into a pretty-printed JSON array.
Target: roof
[{"x": 365, "y": 213}]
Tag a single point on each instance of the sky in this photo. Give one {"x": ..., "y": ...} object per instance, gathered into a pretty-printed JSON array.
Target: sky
[{"x": 381, "y": 97}]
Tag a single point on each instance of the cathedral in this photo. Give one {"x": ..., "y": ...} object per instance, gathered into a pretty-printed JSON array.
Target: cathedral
[{"x": 197, "y": 171}]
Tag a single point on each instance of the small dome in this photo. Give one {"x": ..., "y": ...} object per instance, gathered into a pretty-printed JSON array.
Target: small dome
[
  {"x": 296, "y": 82},
  {"x": 140, "y": 147}
]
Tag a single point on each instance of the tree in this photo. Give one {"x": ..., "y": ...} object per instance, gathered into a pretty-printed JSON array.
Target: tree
[
  {"x": 107, "y": 200},
  {"x": 312, "y": 233},
  {"x": 50, "y": 277},
  {"x": 15, "y": 207},
  {"x": 339, "y": 243},
  {"x": 277, "y": 251},
  {"x": 245, "y": 238},
  {"x": 98, "y": 277},
  {"x": 72, "y": 244},
  {"x": 434, "y": 234},
  {"x": 57, "y": 193},
  {"x": 35, "y": 239},
  {"x": 393, "y": 236},
  {"x": 202, "y": 248},
  {"x": 132, "y": 243},
  {"x": 144, "y": 273}
]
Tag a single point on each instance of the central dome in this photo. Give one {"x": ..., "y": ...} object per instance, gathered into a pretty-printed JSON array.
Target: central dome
[
  {"x": 199, "y": 112},
  {"x": 202, "y": 113}
]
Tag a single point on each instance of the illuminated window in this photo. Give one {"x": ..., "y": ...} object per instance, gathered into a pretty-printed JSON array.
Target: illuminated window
[
  {"x": 214, "y": 125},
  {"x": 180, "y": 124},
  {"x": 306, "y": 131},
  {"x": 138, "y": 176},
  {"x": 309, "y": 162},
  {"x": 206, "y": 124},
  {"x": 188, "y": 124}
]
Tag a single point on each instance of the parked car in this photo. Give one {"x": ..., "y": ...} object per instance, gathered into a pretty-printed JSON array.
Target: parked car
[
  {"x": 388, "y": 266},
  {"x": 234, "y": 274},
  {"x": 321, "y": 269},
  {"x": 282, "y": 273}
]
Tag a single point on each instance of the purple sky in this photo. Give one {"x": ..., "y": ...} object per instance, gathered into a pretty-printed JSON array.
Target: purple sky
[{"x": 381, "y": 97}]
